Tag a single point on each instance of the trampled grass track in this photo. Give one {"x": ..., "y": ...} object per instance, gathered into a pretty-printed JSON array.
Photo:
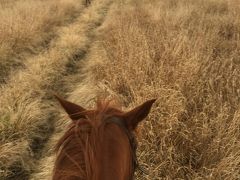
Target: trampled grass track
[
  {"x": 173, "y": 50},
  {"x": 159, "y": 49},
  {"x": 23, "y": 36},
  {"x": 27, "y": 116}
]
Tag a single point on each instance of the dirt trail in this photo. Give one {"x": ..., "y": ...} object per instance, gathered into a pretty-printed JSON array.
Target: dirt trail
[{"x": 90, "y": 20}]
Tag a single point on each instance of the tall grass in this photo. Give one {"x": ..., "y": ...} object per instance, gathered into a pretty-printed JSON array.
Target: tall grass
[
  {"x": 27, "y": 26},
  {"x": 186, "y": 54},
  {"x": 81, "y": 84},
  {"x": 26, "y": 108}
]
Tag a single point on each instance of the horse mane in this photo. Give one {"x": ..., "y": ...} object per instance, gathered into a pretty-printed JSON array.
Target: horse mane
[{"x": 84, "y": 133}]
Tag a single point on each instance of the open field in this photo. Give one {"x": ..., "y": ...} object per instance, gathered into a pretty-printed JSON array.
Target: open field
[
  {"x": 27, "y": 115},
  {"x": 28, "y": 26},
  {"x": 185, "y": 53}
]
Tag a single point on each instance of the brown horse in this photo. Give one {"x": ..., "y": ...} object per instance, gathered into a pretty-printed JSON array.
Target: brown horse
[{"x": 99, "y": 144}]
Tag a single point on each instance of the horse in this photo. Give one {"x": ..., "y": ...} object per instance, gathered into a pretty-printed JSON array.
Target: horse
[{"x": 100, "y": 143}]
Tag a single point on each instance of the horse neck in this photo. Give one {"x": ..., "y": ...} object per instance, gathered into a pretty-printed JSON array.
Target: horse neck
[
  {"x": 114, "y": 157},
  {"x": 69, "y": 165},
  {"x": 105, "y": 155}
]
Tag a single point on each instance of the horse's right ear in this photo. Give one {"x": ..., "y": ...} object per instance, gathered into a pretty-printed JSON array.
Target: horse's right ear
[
  {"x": 137, "y": 114},
  {"x": 74, "y": 111}
]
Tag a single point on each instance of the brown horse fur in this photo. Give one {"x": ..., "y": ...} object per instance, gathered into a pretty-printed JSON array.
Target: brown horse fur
[{"x": 94, "y": 150}]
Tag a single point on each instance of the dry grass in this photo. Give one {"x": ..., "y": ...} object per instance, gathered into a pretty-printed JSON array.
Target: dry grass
[
  {"x": 85, "y": 90},
  {"x": 185, "y": 53},
  {"x": 27, "y": 26},
  {"x": 27, "y": 113}
]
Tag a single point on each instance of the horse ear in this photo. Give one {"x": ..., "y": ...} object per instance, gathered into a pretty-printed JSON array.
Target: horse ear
[
  {"x": 73, "y": 110},
  {"x": 137, "y": 114}
]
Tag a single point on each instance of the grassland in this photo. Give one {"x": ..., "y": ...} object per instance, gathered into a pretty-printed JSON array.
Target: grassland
[
  {"x": 24, "y": 125},
  {"x": 185, "y": 53},
  {"x": 28, "y": 26},
  {"x": 27, "y": 112}
]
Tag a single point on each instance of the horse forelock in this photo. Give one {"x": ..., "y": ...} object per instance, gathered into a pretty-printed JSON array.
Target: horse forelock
[{"x": 81, "y": 140}]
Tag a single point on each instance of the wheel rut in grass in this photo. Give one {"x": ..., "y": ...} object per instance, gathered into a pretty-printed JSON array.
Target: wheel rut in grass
[
  {"x": 27, "y": 103},
  {"x": 14, "y": 59},
  {"x": 91, "y": 19}
]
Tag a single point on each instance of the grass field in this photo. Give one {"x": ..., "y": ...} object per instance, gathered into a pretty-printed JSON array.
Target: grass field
[
  {"x": 27, "y": 27},
  {"x": 185, "y": 53}
]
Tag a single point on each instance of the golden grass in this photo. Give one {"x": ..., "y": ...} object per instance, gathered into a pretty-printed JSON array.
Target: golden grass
[
  {"x": 27, "y": 26},
  {"x": 27, "y": 113},
  {"x": 186, "y": 54},
  {"x": 85, "y": 91}
]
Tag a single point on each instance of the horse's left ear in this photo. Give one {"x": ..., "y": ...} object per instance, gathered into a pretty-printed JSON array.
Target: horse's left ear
[
  {"x": 74, "y": 111},
  {"x": 137, "y": 114}
]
